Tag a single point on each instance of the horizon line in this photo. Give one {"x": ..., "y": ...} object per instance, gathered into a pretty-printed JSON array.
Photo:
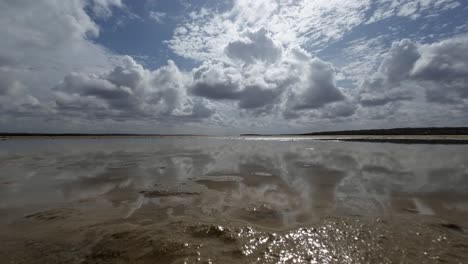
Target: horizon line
[{"x": 378, "y": 131}]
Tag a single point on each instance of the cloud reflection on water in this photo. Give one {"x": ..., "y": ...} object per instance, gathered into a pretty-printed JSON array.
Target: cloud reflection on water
[{"x": 271, "y": 183}]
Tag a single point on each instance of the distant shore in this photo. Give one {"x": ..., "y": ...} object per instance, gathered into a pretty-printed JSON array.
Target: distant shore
[
  {"x": 384, "y": 132},
  {"x": 428, "y": 135},
  {"x": 392, "y": 131}
]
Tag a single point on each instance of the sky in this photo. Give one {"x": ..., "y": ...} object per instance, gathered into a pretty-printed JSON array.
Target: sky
[{"x": 231, "y": 66}]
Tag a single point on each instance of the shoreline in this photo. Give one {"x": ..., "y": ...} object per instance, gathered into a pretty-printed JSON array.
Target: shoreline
[{"x": 395, "y": 139}]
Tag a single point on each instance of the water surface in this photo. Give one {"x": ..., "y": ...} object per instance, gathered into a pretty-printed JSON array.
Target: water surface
[{"x": 263, "y": 183}]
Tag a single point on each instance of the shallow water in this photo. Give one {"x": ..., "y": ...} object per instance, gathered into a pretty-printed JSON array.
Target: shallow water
[{"x": 268, "y": 185}]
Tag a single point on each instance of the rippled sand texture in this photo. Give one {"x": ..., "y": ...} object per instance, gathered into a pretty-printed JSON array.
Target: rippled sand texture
[{"x": 231, "y": 200}]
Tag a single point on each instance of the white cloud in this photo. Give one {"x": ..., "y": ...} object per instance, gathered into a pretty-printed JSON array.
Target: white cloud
[
  {"x": 257, "y": 65},
  {"x": 263, "y": 77},
  {"x": 311, "y": 24},
  {"x": 15, "y": 100},
  {"x": 44, "y": 40},
  {"x": 257, "y": 46},
  {"x": 386, "y": 85},
  {"x": 158, "y": 17},
  {"x": 439, "y": 70},
  {"x": 418, "y": 85},
  {"x": 410, "y": 8},
  {"x": 443, "y": 70},
  {"x": 103, "y": 8},
  {"x": 130, "y": 92},
  {"x": 318, "y": 88},
  {"x": 307, "y": 88}
]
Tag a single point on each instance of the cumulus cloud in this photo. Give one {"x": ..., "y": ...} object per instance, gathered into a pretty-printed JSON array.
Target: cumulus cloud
[
  {"x": 387, "y": 84},
  {"x": 44, "y": 40},
  {"x": 130, "y": 91},
  {"x": 257, "y": 46},
  {"x": 14, "y": 99},
  {"x": 439, "y": 70},
  {"x": 250, "y": 87},
  {"x": 216, "y": 80},
  {"x": 399, "y": 61},
  {"x": 319, "y": 87},
  {"x": 258, "y": 62},
  {"x": 46, "y": 26},
  {"x": 262, "y": 76},
  {"x": 443, "y": 70},
  {"x": 248, "y": 79}
]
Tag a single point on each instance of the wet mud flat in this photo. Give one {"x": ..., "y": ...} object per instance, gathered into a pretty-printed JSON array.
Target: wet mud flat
[
  {"x": 232, "y": 200},
  {"x": 66, "y": 235}
]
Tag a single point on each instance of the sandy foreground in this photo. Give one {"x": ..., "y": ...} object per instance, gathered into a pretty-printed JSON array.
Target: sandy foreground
[
  {"x": 70, "y": 235},
  {"x": 232, "y": 201}
]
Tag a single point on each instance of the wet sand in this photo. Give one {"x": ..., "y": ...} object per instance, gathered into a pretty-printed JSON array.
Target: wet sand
[{"x": 232, "y": 200}]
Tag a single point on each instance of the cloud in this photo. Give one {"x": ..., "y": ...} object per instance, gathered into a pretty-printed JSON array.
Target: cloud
[
  {"x": 410, "y": 8},
  {"x": 222, "y": 81},
  {"x": 158, "y": 17},
  {"x": 45, "y": 40},
  {"x": 14, "y": 99},
  {"x": 103, "y": 8},
  {"x": 258, "y": 63},
  {"x": 8, "y": 85},
  {"x": 342, "y": 109},
  {"x": 255, "y": 96},
  {"x": 443, "y": 70},
  {"x": 390, "y": 82},
  {"x": 257, "y": 46},
  {"x": 249, "y": 79},
  {"x": 313, "y": 25},
  {"x": 217, "y": 81},
  {"x": 399, "y": 61},
  {"x": 319, "y": 87},
  {"x": 439, "y": 70},
  {"x": 130, "y": 91},
  {"x": 262, "y": 77},
  {"x": 305, "y": 23}
]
